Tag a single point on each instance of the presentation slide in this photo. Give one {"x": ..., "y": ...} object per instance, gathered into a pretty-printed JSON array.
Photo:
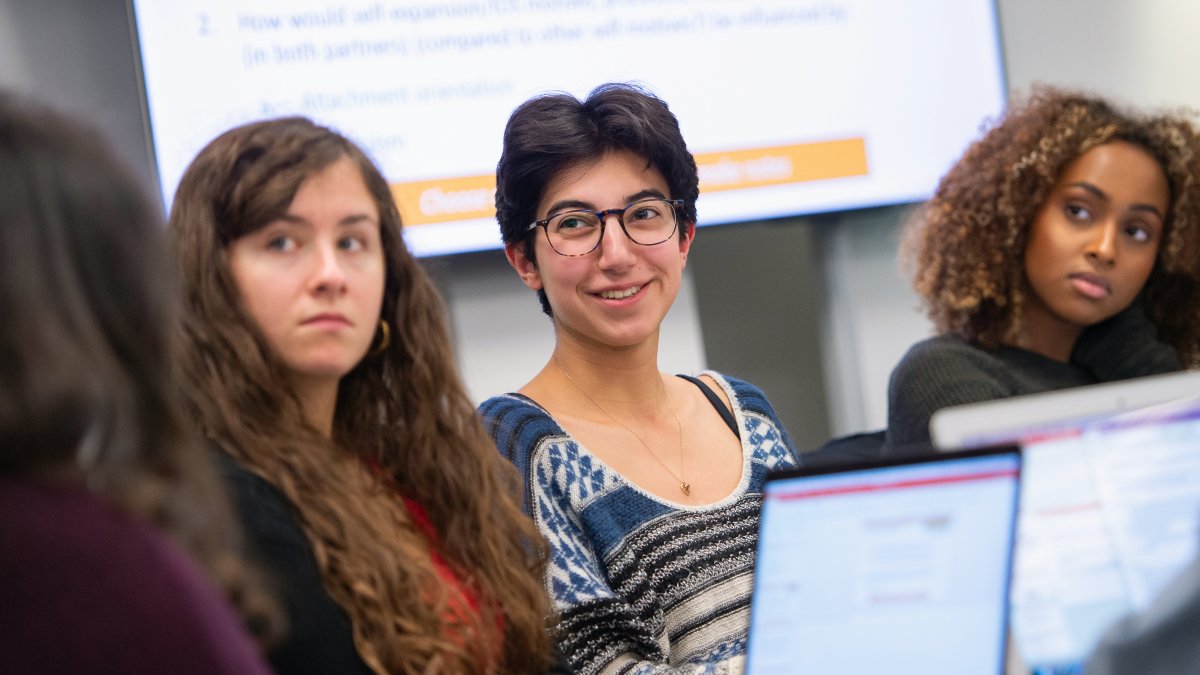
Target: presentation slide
[{"x": 790, "y": 107}]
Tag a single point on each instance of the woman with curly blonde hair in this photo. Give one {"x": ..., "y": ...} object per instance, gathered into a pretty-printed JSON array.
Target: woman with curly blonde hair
[
  {"x": 1063, "y": 249},
  {"x": 320, "y": 367}
]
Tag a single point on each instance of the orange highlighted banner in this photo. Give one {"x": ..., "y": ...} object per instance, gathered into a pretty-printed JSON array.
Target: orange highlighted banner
[
  {"x": 740, "y": 169},
  {"x": 472, "y": 197},
  {"x": 439, "y": 201}
]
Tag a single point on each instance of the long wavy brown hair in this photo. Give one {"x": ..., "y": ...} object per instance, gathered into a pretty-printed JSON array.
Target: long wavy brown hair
[
  {"x": 965, "y": 246},
  {"x": 404, "y": 409},
  {"x": 88, "y": 387}
]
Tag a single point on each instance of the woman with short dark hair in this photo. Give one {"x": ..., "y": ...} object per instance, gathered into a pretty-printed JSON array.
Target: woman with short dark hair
[{"x": 646, "y": 485}]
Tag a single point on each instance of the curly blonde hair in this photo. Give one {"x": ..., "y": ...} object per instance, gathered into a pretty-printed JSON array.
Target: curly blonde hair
[
  {"x": 402, "y": 409},
  {"x": 965, "y": 245}
]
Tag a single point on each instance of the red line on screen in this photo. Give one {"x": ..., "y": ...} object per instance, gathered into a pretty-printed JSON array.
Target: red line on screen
[
  {"x": 1069, "y": 509},
  {"x": 895, "y": 485}
]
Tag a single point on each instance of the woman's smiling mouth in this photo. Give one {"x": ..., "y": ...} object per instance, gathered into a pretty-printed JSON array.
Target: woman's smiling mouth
[{"x": 618, "y": 294}]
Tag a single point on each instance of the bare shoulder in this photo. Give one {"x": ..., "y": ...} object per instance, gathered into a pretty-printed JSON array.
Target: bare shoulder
[
  {"x": 541, "y": 388},
  {"x": 718, "y": 389}
]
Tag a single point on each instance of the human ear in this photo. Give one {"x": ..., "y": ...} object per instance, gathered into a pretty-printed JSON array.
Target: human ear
[
  {"x": 685, "y": 242},
  {"x": 526, "y": 268}
]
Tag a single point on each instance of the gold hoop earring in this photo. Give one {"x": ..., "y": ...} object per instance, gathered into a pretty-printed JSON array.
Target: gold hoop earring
[{"x": 384, "y": 340}]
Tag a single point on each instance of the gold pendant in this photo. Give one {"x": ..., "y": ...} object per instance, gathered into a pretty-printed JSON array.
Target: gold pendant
[{"x": 687, "y": 489}]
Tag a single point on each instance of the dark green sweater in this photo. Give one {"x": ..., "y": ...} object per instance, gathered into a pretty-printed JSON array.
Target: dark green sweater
[{"x": 947, "y": 371}]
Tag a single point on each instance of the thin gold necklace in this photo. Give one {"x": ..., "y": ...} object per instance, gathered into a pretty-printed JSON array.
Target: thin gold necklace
[{"x": 684, "y": 486}]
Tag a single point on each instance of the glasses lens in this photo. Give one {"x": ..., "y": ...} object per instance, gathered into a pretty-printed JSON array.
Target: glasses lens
[
  {"x": 573, "y": 232},
  {"x": 650, "y": 221},
  {"x": 646, "y": 222}
]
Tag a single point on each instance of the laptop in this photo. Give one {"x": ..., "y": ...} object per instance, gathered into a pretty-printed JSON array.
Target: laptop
[
  {"x": 890, "y": 567},
  {"x": 1010, "y": 419},
  {"x": 1110, "y": 512}
]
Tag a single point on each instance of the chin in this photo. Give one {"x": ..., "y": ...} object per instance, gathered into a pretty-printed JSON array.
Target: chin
[
  {"x": 1093, "y": 318},
  {"x": 1084, "y": 315},
  {"x": 625, "y": 340},
  {"x": 326, "y": 369}
]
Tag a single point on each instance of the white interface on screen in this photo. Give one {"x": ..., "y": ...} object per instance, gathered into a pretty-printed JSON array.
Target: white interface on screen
[
  {"x": 790, "y": 107},
  {"x": 893, "y": 570},
  {"x": 1109, "y": 514}
]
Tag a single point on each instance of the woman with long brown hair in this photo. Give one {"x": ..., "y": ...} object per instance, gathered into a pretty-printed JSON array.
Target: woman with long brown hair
[
  {"x": 320, "y": 367},
  {"x": 97, "y": 462}
]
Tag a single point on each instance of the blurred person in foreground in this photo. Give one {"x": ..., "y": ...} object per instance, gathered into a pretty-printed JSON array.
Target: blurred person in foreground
[{"x": 118, "y": 552}]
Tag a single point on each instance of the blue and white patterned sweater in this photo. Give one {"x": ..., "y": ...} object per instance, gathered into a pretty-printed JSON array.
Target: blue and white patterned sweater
[{"x": 643, "y": 585}]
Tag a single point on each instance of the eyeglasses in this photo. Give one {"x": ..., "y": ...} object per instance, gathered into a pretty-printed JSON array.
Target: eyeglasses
[{"x": 578, "y": 232}]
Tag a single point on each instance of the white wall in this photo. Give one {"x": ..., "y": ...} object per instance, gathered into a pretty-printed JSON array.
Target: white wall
[
  {"x": 871, "y": 318},
  {"x": 1141, "y": 52}
]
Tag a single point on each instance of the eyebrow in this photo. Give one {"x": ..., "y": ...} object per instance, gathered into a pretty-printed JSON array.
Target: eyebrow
[
  {"x": 571, "y": 204},
  {"x": 1148, "y": 208},
  {"x": 348, "y": 221}
]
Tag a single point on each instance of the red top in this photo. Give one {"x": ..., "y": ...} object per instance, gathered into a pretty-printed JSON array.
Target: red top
[
  {"x": 458, "y": 592},
  {"x": 421, "y": 520}
]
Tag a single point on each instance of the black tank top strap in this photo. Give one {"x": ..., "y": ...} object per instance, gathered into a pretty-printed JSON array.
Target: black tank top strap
[{"x": 716, "y": 403}]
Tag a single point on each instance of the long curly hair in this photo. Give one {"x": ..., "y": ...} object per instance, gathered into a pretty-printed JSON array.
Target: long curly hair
[
  {"x": 403, "y": 409},
  {"x": 965, "y": 245},
  {"x": 88, "y": 387}
]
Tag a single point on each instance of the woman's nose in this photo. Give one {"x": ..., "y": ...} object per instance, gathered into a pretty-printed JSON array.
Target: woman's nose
[
  {"x": 329, "y": 276},
  {"x": 1102, "y": 247},
  {"x": 615, "y": 245}
]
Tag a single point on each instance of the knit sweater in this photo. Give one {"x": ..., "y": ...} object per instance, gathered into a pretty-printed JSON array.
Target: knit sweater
[
  {"x": 88, "y": 588},
  {"x": 946, "y": 371},
  {"x": 319, "y": 636},
  {"x": 642, "y": 584}
]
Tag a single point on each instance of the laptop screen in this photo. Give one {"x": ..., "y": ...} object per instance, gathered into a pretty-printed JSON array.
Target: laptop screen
[
  {"x": 1110, "y": 513},
  {"x": 897, "y": 568}
]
